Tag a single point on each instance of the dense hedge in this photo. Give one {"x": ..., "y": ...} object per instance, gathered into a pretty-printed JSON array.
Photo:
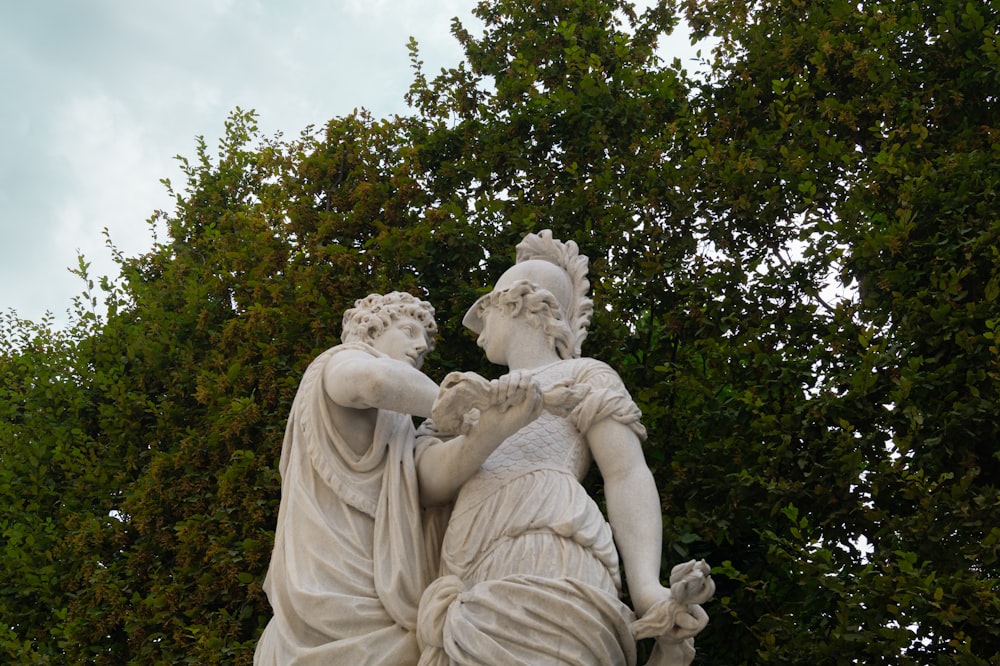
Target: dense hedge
[{"x": 796, "y": 270}]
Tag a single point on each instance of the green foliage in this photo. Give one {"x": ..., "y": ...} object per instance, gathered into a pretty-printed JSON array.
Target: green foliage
[
  {"x": 795, "y": 268},
  {"x": 864, "y": 136},
  {"x": 60, "y": 525}
]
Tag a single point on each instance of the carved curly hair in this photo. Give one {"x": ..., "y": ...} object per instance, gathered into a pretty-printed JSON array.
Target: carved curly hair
[
  {"x": 371, "y": 315},
  {"x": 540, "y": 308}
]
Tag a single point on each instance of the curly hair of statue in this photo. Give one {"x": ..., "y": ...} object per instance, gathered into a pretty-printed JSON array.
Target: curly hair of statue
[{"x": 371, "y": 315}]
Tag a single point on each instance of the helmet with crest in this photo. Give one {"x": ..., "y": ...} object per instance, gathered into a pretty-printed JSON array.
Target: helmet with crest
[{"x": 558, "y": 272}]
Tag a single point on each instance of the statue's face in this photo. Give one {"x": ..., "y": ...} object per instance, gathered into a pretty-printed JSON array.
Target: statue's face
[
  {"x": 499, "y": 332},
  {"x": 404, "y": 340}
]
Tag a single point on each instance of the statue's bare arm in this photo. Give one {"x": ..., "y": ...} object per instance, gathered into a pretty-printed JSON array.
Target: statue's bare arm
[
  {"x": 357, "y": 380},
  {"x": 633, "y": 508}
]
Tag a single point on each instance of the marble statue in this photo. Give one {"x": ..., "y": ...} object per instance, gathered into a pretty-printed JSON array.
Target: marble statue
[
  {"x": 353, "y": 549},
  {"x": 529, "y": 569}
]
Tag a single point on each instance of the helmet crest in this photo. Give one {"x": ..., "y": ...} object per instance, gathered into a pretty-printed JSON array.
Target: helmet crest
[{"x": 566, "y": 255}]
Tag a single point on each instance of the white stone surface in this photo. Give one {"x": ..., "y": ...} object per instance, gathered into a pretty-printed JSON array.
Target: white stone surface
[
  {"x": 529, "y": 568},
  {"x": 353, "y": 549}
]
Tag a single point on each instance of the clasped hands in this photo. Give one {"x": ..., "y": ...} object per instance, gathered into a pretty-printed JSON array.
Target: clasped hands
[{"x": 467, "y": 400}]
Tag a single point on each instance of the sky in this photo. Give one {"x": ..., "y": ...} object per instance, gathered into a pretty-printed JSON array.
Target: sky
[{"x": 97, "y": 97}]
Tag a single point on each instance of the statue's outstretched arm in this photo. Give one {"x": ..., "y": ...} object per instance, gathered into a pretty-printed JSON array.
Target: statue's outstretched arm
[{"x": 361, "y": 381}]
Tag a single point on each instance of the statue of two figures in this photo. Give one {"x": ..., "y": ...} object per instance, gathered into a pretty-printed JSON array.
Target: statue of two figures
[{"x": 527, "y": 569}]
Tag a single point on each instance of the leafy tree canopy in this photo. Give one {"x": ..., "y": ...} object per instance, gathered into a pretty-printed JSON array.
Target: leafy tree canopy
[{"x": 795, "y": 263}]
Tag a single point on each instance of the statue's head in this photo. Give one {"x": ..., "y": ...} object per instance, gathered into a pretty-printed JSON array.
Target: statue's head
[
  {"x": 372, "y": 315},
  {"x": 547, "y": 286}
]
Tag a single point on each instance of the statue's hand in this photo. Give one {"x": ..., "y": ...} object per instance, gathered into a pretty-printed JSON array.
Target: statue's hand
[
  {"x": 460, "y": 398},
  {"x": 509, "y": 390},
  {"x": 465, "y": 399},
  {"x": 519, "y": 402},
  {"x": 691, "y": 582},
  {"x": 675, "y": 614},
  {"x": 670, "y": 620}
]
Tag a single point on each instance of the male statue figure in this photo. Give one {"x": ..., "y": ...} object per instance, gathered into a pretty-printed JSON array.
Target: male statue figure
[
  {"x": 529, "y": 565},
  {"x": 351, "y": 557}
]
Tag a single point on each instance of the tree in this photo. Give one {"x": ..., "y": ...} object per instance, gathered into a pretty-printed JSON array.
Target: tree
[
  {"x": 53, "y": 495},
  {"x": 864, "y": 132},
  {"x": 795, "y": 270}
]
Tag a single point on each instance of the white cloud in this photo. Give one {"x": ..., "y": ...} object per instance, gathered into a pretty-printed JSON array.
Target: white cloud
[
  {"x": 100, "y": 96},
  {"x": 112, "y": 180}
]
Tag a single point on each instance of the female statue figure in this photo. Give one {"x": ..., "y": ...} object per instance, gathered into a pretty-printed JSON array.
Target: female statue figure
[{"x": 529, "y": 567}]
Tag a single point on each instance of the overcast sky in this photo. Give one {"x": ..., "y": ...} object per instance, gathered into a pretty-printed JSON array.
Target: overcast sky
[{"x": 98, "y": 96}]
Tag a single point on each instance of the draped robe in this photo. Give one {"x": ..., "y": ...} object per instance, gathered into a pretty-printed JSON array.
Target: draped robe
[
  {"x": 350, "y": 558},
  {"x": 529, "y": 569}
]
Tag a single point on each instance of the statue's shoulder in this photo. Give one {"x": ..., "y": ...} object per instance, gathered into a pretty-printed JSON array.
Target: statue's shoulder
[
  {"x": 588, "y": 370},
  {"x": 327, "y": 362},
  {"x": 343, "y": 352}
]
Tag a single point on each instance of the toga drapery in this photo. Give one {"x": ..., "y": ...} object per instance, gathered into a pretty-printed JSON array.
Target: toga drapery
[{"x": 350, "y": 557}]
